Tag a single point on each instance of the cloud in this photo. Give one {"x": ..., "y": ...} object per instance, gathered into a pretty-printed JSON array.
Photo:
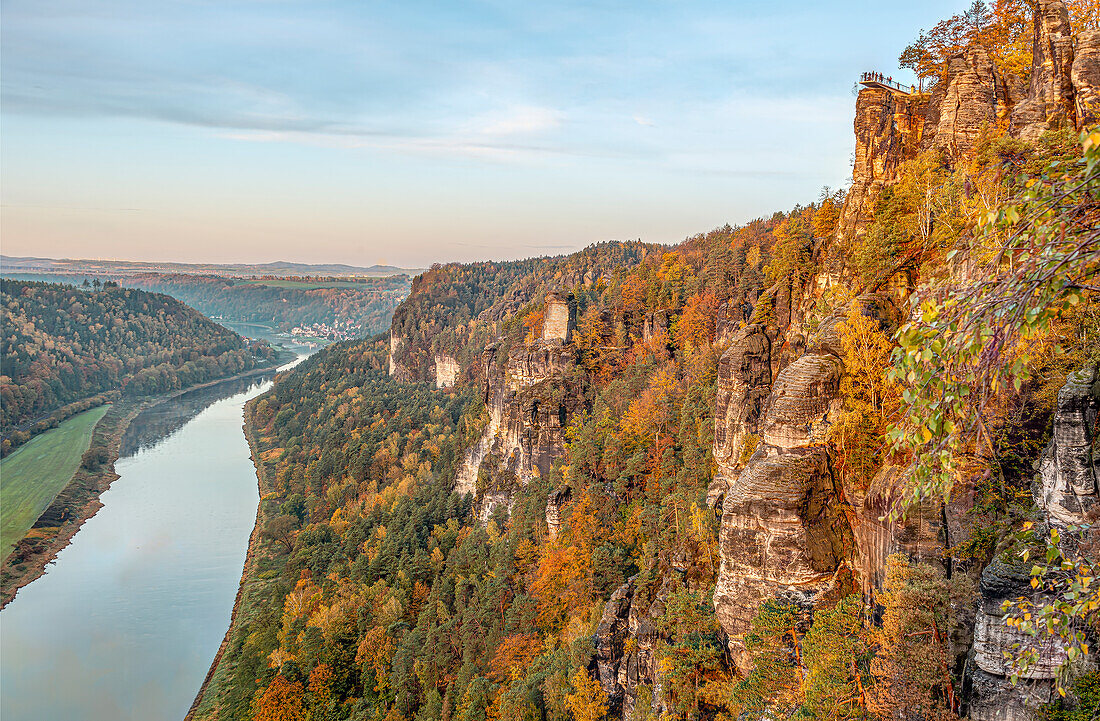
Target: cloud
[
  {"x": 644, "y": 121},
  {"x": 520, "y": 119}
]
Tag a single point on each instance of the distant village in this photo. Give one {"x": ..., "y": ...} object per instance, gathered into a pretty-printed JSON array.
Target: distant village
[{"x": 336, "y": 332}]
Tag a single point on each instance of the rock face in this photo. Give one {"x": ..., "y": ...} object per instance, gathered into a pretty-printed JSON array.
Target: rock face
[
  {"x": 554, "y": 503},
  {"x": 446, "y": 371},
  {"x": 784, "y": 529},
  {"x": 1085, "y": 76},
  {"x": 889, "y": 128},
  {"x": 559, "y": 318},
  {"x": 396, "y": 342},
  {"x": 1050, "y": 97},
  {"x": 992, "y": 695},
  {"x": 622, "y": 669},
  {"x": 610, "y": 635},
  {"x": 892, "y": 127},
  {"x": 655, "y": 323},
  {"x": 531, "y": 397},
  {"x": 1066, "y": 489},
  {"x": 1069, "y": 475},
  {"x": 790, "y": 528},
  {"x": 744, "y": 382},
  {"x": 973, "y": 97}
]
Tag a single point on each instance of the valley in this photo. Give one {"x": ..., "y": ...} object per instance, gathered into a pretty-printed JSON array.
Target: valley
[{"x": 840, "y": 461}]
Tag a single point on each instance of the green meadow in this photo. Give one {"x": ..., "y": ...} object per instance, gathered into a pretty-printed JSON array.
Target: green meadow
[{"x": 33, "y": 475}]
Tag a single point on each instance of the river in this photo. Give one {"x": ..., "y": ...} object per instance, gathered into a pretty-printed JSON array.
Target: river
[{"x": 129, "y": 616}]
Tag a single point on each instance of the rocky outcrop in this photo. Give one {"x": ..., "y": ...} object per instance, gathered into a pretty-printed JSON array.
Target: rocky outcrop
[
  {"x": 921, "y": 535},
  {"x": 1069, "y": 474},
  {"x": 801, "y": 401},
  {"x": 992, "y": 695},
  {"x": 627, "y": 643},
  {"x": 1085, "y": 76},
  {"x": 531, "y": 396},
  {"x": 889, "y": 127},
  {"x": 970, "y": 99},
  {"x": 744, "y": 382},
  {"x": 396, "y": 343},
  {"x": 789, "y": 527},
  {"x": 446, "y": 370},
  {"x": 554, "y": 503},
  {"x": 656, "y": 323},
  {"x": 559, "y": 318},
  {"x": 783, "y": 534},
  {"x": 1050, "y": 100},
  {"x": 784, "y": 530},
  {"x": 610, "y": 634}
]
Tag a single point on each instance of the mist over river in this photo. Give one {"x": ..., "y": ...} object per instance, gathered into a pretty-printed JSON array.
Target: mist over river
[{"x": 129, "y": 616}]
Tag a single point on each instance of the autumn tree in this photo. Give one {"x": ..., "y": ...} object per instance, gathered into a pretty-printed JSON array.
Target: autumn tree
[
  {"x": 588, "y": 702},
  {"x": 913, "y": 667},
  {"x": 837, "y": 651},
  {"x": 870, "y": 398},
  {"x": 282, "y": 700},
  {"x": 1032, "y": 261},
  {"x": 691, "y": 663},
  {"x": 773, "y": 685}
]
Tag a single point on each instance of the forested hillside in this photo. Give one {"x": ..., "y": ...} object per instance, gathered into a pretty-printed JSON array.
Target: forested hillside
[
  {"x": 63, "y": 346},
  {"x": 449, "y": 304},
  {"x": 839, "y": 463},
  {"x": 368, "y": 302}
]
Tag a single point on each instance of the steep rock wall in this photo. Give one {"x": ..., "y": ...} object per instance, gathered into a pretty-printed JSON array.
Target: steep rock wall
[
  {"x": 1050, "y": 96},
  {"x": 446, "y": 370},
  {"x": 1069, "y": 475},
  {"x": 531, "y": 396},
  {"x": 784, "y": 531},
  {"x": 1085, "y": 76}
]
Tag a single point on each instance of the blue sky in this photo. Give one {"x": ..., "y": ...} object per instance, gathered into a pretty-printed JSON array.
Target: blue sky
[{"x": 411, "y": 132}]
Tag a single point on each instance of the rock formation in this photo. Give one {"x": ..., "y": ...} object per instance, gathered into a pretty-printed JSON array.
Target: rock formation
[
  {"x": 973, "y": 97},
  {"x": 889, "y": 127},
  {"x": 396, "y": 342},
  {"x": 744, "y": 382},
  {"x": 993, "y": 697},
  {"x": 531, "y": 397},
  {"x": 784, "y": 531},
  {"x": 1085, "y": 76},
  {"x": 1069, "y": 475},
  {"x": 1049, "y": 99},
  {"x": 559, "y": 318},
  {"x": 446, "y": 371},
  {"x": 554, "y": 503}
]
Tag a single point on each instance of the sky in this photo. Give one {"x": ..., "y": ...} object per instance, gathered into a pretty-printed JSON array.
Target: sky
[{"x": 412, "y": 132}]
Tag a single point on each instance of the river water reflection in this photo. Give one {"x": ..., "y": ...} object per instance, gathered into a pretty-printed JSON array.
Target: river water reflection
[{"x": 128, "y": 618}]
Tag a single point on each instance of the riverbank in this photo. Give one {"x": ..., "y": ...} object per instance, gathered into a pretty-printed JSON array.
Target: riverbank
[
  {"x": 207, "y": 703},
  {"x": 79, "y": 500}
]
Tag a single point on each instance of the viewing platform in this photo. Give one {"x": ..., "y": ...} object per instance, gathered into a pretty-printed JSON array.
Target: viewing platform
[{"x": 884, "y": 82}]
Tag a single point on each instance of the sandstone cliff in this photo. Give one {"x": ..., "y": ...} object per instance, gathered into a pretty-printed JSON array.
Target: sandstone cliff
[
  {"x": 789, "y": 528},
  {"x": 531, "y": 394}
]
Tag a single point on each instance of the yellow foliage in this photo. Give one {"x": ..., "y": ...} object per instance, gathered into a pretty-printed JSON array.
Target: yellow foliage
[
  {"x": 588, "y": 702},
  {"x": 870, "y": 399}
]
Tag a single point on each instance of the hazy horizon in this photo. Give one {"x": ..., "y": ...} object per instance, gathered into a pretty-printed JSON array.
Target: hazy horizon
[{"x": 408, "y": 133}]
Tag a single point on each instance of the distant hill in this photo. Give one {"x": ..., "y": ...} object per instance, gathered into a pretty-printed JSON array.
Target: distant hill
[
  {"x": 280, "y": 268},
  {"x": 63, "y": 346}
]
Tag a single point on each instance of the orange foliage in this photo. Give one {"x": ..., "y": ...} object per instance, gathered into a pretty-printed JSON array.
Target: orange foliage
[
  {"x": 281, "y": 701},
  {"x": 563, "y": 583},
  {"x": 320, "y": 682},
  {"x": 696, "y": 327},
  {"x": 514, "y": 655},
  {"x": 649, "y": 413},
  {"x": 533, "y": 321}
]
